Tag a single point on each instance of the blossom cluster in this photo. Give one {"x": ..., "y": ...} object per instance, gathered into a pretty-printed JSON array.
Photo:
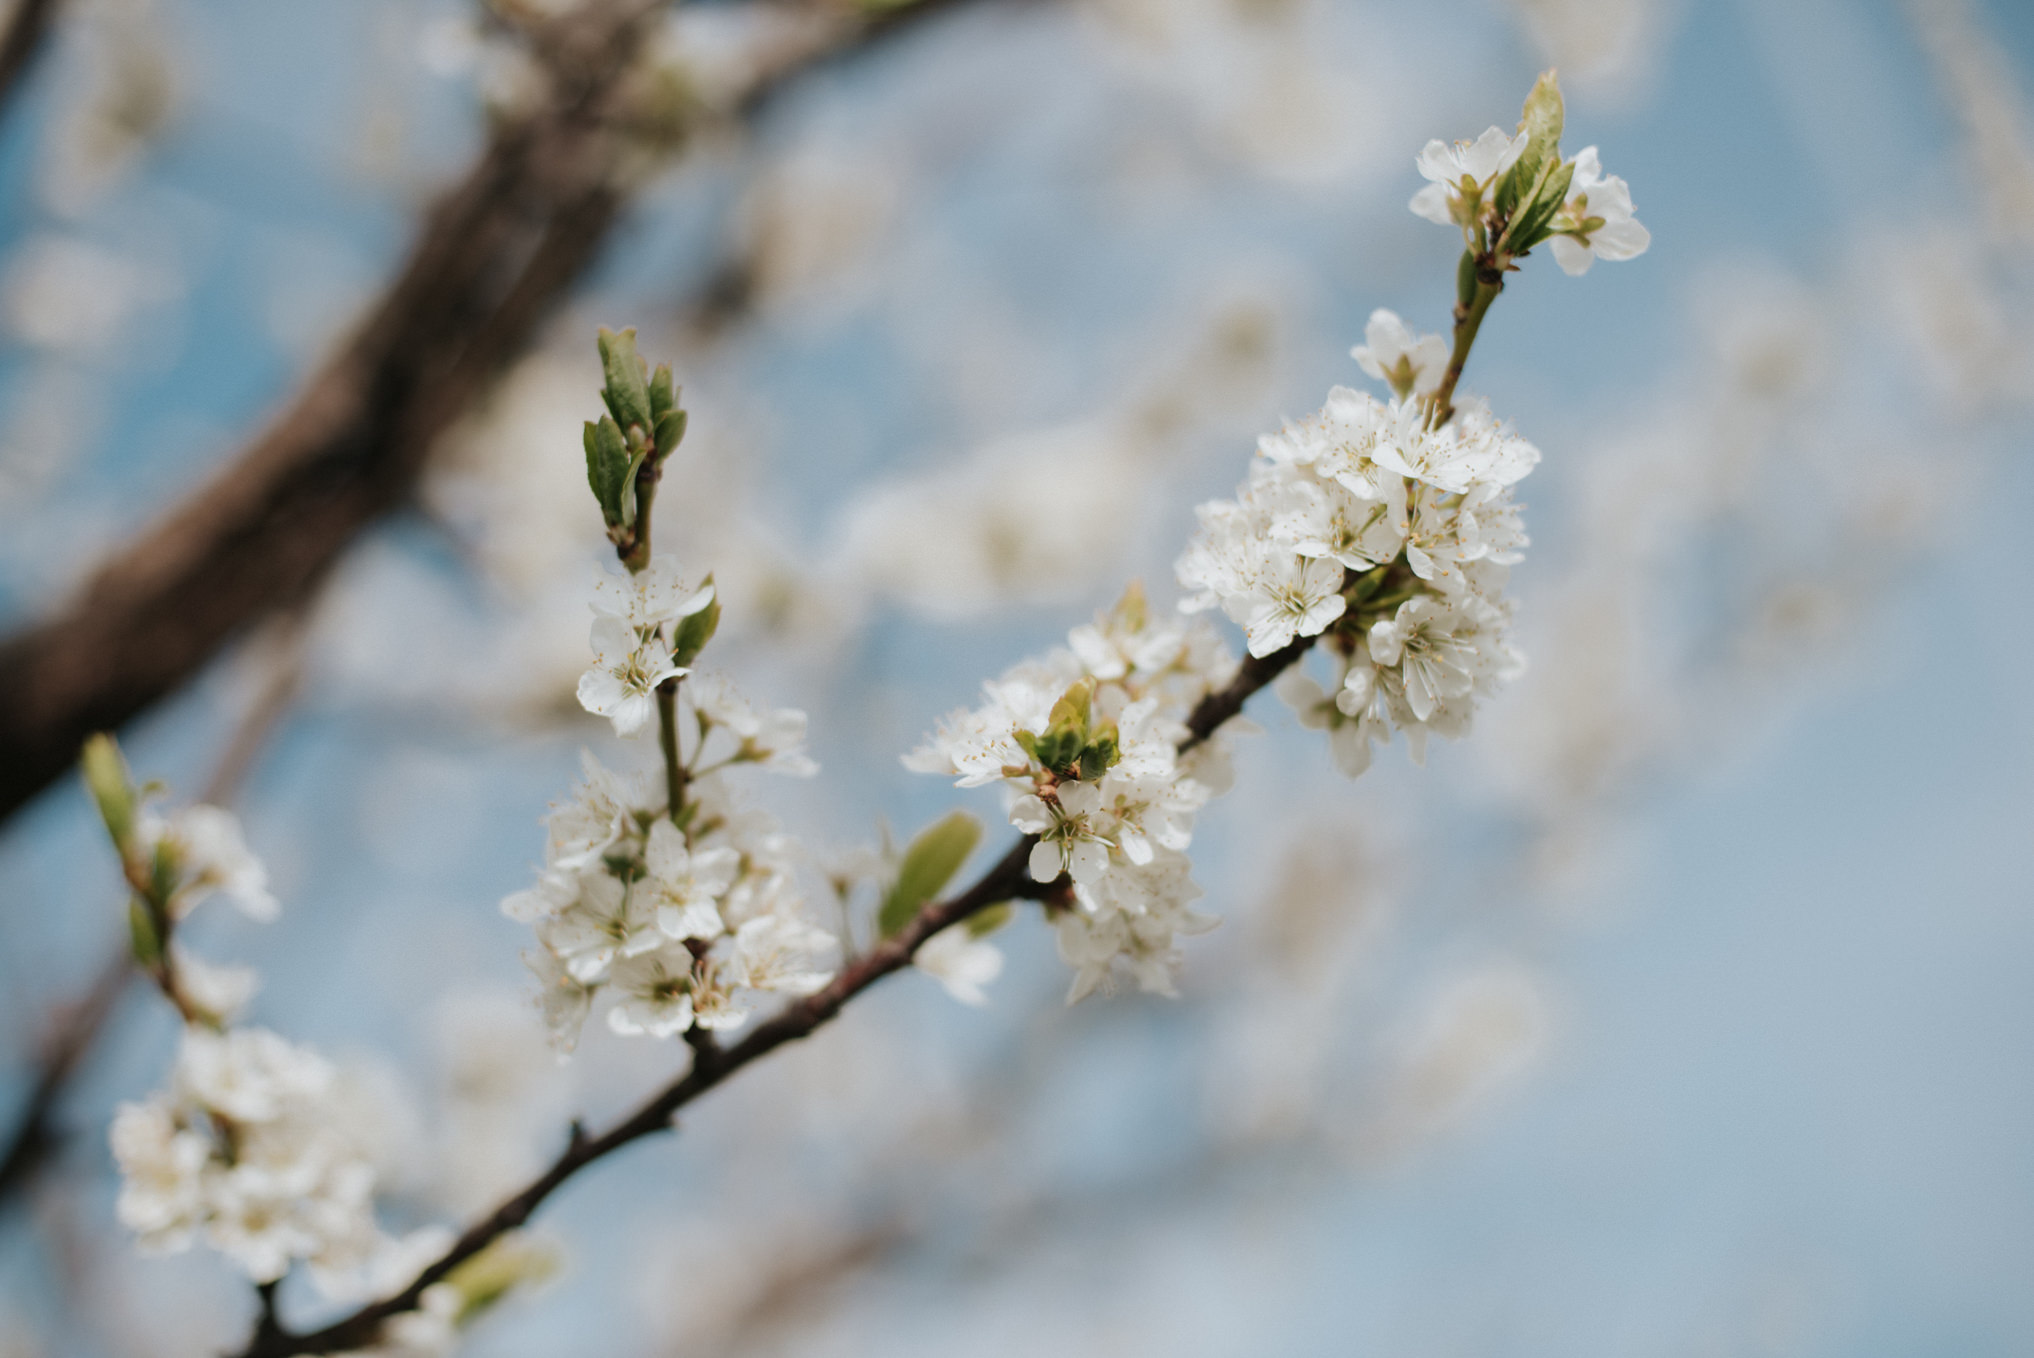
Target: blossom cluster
[
  {"x": 1087, "y": 742},
  {"x": 684, "y": 919},
  {"x": 1391, "y": 536},
  {"x": 632, "y": 654},
  {"x": 254, "y": 1147},
  {"x": 258, "y": 1147},
  {"x": 1591, "y": 219}
]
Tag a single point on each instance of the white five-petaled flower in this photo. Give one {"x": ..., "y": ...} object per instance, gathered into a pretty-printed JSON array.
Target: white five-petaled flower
[
  {"x": 653, "y": 993},
  {"x": 777, "y": 952},
  {"x": 960, "y": 962},
  {"x": 1462, "y": 173},
  {"x": 655, "y": 595},
  {"x": 600, "y": 812},
  {"x": 684, "y": 886},
  {"x": 1349, "y": 735},
  {"x": 1292, "y": 597},
  {"x": 1419, "y": 640},
  {"x": 213, "y": 856},
  {"x": 248, "y": 1074},
  {"x": 1391, "y": 352},
  {"x": 603, "y": 921},
  {"x": 627, "y": 667},
  {"x": 1070, "y": 837},
  {"x": 772, "y": 738},
  {"x": 562, "y": 998},
  {"x": 1596, "y": 222},
  {"x": 161, "y": 1163}
]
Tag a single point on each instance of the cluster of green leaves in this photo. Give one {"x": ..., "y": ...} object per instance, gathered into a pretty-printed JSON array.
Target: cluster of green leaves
[
  {"x": 1523, "y": 205},
  {"x": 626, "y": 446},
  {"x": 1529, "y": 194},
  {"x": 1074, "y": 744}
]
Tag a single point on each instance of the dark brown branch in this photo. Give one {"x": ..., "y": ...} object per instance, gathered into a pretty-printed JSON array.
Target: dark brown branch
[
  {"x": 496, "y": 253},
  {"x": 27, "y": 27},
  {"x": 1009, "y": 879}
]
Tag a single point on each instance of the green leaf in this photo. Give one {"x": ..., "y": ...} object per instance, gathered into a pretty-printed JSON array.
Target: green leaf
[
  {"x": 1534, "y": 220},
  {"x": 107, "y": 780},
  {"x": 662, "y": 396},
  {"x": 1070, "y": 713},
  {"x": 695, "y": 630},
  {"x": 607, "y": 468},
  {"x": 670, "y": 429},
  {"x": 928, "y": 865},
  {"x": 1097, "y": 758},
  {"x": 1541, "y": 121},
  {"x": 628, "y": 387}
]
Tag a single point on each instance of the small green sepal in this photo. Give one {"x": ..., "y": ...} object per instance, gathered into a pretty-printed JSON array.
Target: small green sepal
[{"x": 695, "y": 630}]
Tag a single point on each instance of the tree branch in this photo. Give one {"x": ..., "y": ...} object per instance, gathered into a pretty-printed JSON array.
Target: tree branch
[
  {"x": 496, "y": 253},
  {"x": 21, "y": 43},
  {"x": 1009, "y": 879}
]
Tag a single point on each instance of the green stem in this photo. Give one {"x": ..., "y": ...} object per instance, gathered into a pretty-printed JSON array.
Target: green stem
[
  {"x": 637, "y": 556},
  {"x": 1468, "y": 320},
  {"x": 667, "y": 739}
]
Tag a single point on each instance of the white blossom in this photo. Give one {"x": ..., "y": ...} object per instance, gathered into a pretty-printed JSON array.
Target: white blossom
[
  {"x": 1068, "y": 828},
  {"x": 627, "y": 667},
  {"x": 653, "y": 993},
  {"x": 960, "y": 962},
  {"x": 1596, "y": 222},
  {"x": 1350, "y": 735},
  {"x": 604, "y": 920},
  {"x": 257, "y": 1148},
  {"x": 212, "y": 855},
  {"x": 778, "y": 952},
  {"x": 1391, "y": 352},
  {"x": 1120, "y": 838},
  {"x": 1462, "y": 173},
  {"x": 683, "y": 887},
  {"x": 601, "y": 810},
  {"x": 773, "y": 738},
  {"x": 248, "y": 1074},
  {"x": 1290, "y": 596},
  {"x": 161, "y": 1164},
  {"x": 1420, "y": 641},
  {"x": 217, "y": 991},
  {"x": 562, "y": 998},
  {"x": 651, "y": 597}
]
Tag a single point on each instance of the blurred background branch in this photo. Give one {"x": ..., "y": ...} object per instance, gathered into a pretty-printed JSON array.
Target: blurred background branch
[
  {"x": 28, "y": 25},
  {"x": 497, "y": 252}
]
